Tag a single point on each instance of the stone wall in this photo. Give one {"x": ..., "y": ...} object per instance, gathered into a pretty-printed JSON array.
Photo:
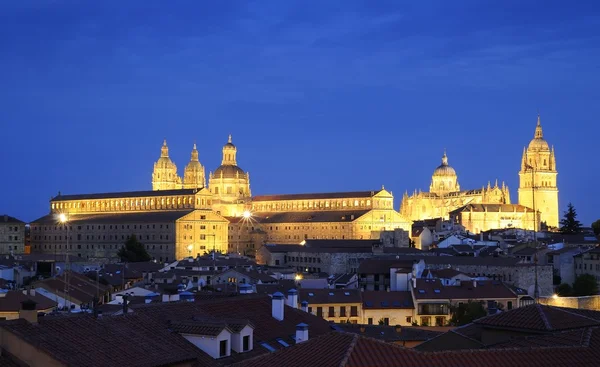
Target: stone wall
[{"x": 587, "y": 303}]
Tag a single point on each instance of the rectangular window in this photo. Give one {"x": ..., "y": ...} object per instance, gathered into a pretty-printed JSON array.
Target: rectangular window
[
  {"x": 320, "y": 311},
  {"x": 353, "y": 310},
  {"x": 370, "y": 321},
  {"x": 246, "y": 343},
  {"x": 223, "y": 348},
  {"x": 331, "y": 311},
  {"x": 509, "y": 305},
  {"x": 408, "y": 319},
  {"x": 342, "y": 311}
]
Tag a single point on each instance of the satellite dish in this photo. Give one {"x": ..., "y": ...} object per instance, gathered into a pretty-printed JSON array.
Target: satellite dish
[{"x": 58, "y": 269}]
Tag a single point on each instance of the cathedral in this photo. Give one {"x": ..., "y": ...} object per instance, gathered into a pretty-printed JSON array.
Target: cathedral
[{"x": 489, "y": 207}]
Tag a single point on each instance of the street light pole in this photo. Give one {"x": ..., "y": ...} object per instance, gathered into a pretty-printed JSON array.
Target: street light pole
[
  {"x": 65, "y": 221},
  {"x": 536, "y": 293}
]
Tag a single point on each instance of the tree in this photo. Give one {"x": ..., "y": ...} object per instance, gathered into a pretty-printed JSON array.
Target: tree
[
  {"x": 564, "y": 290},
  {"x": 133, "y": 251},
  {"x": 596, "y": 227},
  {"x": 569, "y": 224},
  {"x": 585, "y": 285},
  {"x": 465, "y": 313}
]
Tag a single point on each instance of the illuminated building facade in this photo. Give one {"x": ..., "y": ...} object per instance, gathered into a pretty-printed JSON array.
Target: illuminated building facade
[
  {"x": 445, "y": 195},
  {"x": 537, "y": 178},
  {"x": 490, "y": 207}
]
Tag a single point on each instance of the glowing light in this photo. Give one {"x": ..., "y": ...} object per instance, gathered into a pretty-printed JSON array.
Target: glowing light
[
  {"x": 62, "y": 217},
  {"x": 247, "y": 214},
  {"x": 303, "y": 242},
  {"x": 298, "y": 277},
  {"x": 190, "y": 248},
  {"x": 555, "y": 296}
]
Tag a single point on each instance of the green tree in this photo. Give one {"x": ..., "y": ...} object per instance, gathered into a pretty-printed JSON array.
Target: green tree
[
  {"x": 596, "y": 227},
  {"x": 564, "y": 290},
  {"x": 465, "y": 313},
  {"x": 133, "y": 251},
  {"x": 569, "y": 224},
  {"x": 585, "y": 285}
]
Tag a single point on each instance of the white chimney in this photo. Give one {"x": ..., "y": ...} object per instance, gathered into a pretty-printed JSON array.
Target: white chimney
[
  {"x": 414, "y": 281},
  {"x": 32, "y": 292},
  {"x": 165, "y": 297},
  {"x": 305, "y": 306},
  {"x": 277, "y": 306},
  {"x": 474, "y": 283},
  {"x": 292, "y": 298},
  {"x": 301, "y": 333}
]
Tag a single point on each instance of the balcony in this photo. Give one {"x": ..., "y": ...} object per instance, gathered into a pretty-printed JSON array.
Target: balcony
[{"x": 432, "y": 309}]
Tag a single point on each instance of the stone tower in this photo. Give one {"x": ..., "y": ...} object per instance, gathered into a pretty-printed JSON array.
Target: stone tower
[
  {"x": 537, "y": 178},
  {"x": 193, "y": 176},
  {"x": 164, "y": 176}
]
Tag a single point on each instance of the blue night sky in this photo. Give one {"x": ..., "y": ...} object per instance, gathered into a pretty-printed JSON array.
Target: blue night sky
[{"x": 318, "y": 95}]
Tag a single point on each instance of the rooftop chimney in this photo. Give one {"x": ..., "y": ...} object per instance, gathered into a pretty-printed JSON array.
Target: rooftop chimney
[
  {"x": 414, "y": 281},
  {"x": 277, "y": 306},
  {"x": 125, "y": 304},
  {"x": 305, "y": 306},
  {"x": 292, "y": 298},
  {"x": 28, "y": 311},
  {"x": 301, "y": 333},
  {"x": 474, "y": 283}
]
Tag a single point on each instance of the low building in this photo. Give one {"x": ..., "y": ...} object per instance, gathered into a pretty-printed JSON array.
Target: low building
[
  {"x": 337, "y": 305},
  {"x": 12, "y": 235},
  {"x": 563, "y": 263},
  {"x": 433, "y": 300},
  {"x": 11, "y": 303},
  {"x": 387, "y": 308},
  {"x": 588, "y": 262}
]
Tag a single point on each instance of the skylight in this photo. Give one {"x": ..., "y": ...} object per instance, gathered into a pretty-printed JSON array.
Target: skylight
[
  {"x": 369, "y": 304},
  {"x": 421, "y": 291},
  {"x": 268, "y": 347},
  {"x": 331, "y": 294},
  {"x": 311, "y": 294},
  {"x": 282, "y": 342},
  {"x": 346, "y": 293},
  {"x": 436, "y": 290}
]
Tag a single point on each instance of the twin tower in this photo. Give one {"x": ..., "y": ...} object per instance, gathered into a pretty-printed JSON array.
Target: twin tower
[{"x": 229, "y": 182}]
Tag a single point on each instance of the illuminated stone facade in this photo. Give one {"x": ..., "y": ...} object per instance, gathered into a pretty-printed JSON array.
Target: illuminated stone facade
[
  {"x": 537, "y": 178},
  {"x": 170, "y": 223},
  {"x": 12, "y": 235},
  {"x": 179, "y": 218},
  {"x": 478, "y": 218},
  {"x": 230, "y": 184},
  {"x": 445, "y": 196}
]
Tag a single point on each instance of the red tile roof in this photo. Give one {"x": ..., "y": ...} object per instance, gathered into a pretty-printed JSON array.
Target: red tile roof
[
  {"x": 11, "y": 301},
  {"x": 433, "y": 289},
  {"x": 540, "y": 318},
  {"x": 387, "y": 300}
]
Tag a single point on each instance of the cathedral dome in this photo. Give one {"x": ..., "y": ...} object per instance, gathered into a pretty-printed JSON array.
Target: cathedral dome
[
  {"x": 444, "y": 169},
  {"x": 164, "y": 161},
  {"x": 229, "y": 171},
  {"x": 538, "y": 142}
]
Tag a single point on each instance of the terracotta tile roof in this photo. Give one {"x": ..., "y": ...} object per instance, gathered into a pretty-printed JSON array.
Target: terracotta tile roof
[
  {"x": 325, "y": 296},
  {"x": 254, "y": 308},
  {"x": 433, "y": 289},
  {"x": 541, "y": 318},
  {"x": 6, "y": 361},
  {"x": 345, "y": 350},
  {"x": 203, "y": 327},
  {"x": 391, "y": 333},
  {"x": 11, "y": 301},
  {"x": 316, "y": 196},
  {"x": 570, "y": 338},
  {"x": 387, "y": 300},
  {"x": 108, "y": 341}
]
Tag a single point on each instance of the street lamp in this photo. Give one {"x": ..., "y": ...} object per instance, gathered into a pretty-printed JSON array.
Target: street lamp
[
  {"x": 536, "y": 292},
  {"x": 190, "y": 248},
  {"x": 64, "y": 220}
]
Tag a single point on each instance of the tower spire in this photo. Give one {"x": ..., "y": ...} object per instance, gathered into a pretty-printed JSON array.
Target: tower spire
[
  {"x": 538, "y": 129},
  {"x": 164, "y": 150},
  {"x": 229, "y": 139},
  {"x": 445, "y": 158}
]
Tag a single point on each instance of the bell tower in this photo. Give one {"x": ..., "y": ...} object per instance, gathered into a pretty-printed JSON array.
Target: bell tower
[{"x": 537, "y": 178}]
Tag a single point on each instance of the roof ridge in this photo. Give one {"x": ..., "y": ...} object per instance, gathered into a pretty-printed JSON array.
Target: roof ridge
[
  {"x": 355, "y": 338},
  {"x": 543, "y": 316},
  {"x": 566, "y": 310}
]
